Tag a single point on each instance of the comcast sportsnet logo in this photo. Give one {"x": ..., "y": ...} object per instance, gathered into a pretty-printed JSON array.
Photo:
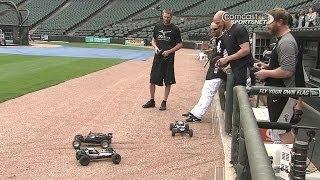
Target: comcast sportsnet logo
[{"x": 249, "y": 18}]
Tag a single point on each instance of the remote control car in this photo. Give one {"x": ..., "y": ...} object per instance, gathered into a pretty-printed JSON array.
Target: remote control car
[
  {"x": 93, "y": 138},
  {"x": 159, "y": 53},
  {"x": 180, "y": 127},
  {"x": 84, "y": 156}
]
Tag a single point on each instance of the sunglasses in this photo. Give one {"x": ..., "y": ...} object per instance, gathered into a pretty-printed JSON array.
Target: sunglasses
[{"x": 214, "y": 29}]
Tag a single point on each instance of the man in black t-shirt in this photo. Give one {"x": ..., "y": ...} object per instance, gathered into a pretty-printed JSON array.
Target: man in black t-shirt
[
  {"x": 166, "y": 40},
  {"x": 236, "y": 41},
  {"x": 213, "y": 79}
]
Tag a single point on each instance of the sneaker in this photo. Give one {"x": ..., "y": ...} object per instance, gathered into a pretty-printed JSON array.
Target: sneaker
[
  {"x": 150, "y": 104},
  {"x": 163, "y": 106},
  {"x": 187, "y": 114},
  {"x": 193, "y": 119}
]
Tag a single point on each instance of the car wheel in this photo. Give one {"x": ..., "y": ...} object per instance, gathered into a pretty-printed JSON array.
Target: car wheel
[
  {"x": 116, "y": 158},
  {"x": 84, "y": 160},
  {"x": 190, "y": 132},
  {"x": 76, "y": 144},
  {"x": 187, "y": 127},
  {"x": 104, "y": 143},
  {"x": 171, "y": 126},
  {"x": 78, "y": 137},
  {"x": 79, "y": 154},
  {"x": 174, "y": 131}
]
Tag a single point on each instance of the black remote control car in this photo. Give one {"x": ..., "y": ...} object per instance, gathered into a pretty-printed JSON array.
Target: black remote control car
[
  {"x": 93, "y": 138},
  {"x": 84, "y": 156},
  {"x": 180, "y": 127}
]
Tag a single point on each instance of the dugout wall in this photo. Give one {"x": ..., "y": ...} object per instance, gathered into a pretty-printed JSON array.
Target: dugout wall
[{"x": 13, "y": 23}]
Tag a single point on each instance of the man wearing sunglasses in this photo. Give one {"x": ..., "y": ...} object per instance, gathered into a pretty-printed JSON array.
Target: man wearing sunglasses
[{"x": 213, "y": 78}]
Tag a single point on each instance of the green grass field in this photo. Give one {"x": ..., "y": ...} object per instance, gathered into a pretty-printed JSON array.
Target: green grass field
[{"x": 20, "y": 75}]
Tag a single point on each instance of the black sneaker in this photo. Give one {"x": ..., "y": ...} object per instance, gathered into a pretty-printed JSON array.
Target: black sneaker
[
  {"x": 193, "y": 119},
  {"x": 150, "y": 104},
  {"x": 163, "y": 106},
  {"x": 187, "y": 114}
]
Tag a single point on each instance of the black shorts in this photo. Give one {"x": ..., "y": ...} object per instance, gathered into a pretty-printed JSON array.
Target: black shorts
[
  {"x": 276, "y": 106},
  {"x": 162, "y": 71}
]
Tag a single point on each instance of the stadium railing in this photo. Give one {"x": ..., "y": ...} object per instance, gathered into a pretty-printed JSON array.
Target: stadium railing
[{"x": 248, "y": 153}]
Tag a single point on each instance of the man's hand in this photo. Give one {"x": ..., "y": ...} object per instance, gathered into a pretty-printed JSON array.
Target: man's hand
[
  {"x": 222, "y": 62},
  {"x": 260, "y": 65},
  {"x": 262, "y": 74},
  {"x": 165, "y": 53},
  {"x": 156, "y": 49},
  {"x": 226, "y": 68}
]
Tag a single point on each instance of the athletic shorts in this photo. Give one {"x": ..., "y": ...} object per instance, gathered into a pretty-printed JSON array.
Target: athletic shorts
[
  {"x": 162, "y": 71},
  {"x": 281, "y": 108},
  {"x": 275, "y": 107}
]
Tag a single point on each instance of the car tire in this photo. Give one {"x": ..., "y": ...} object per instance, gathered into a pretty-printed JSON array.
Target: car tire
[
  {"x": 171, "y": 126},
  {"x": 190, "y": 132},
  {"x": 84, "y": 160},
  {"x": 105, "y": 144},
  {"x": 116, "y": 158},
  {"x": 78, "y": 137},
  {"x": 174, "y": 131},
  {"x": 79, "y": 154},
  {"x": 187, "y": 127},
  {"x": 76, "y": 144}
]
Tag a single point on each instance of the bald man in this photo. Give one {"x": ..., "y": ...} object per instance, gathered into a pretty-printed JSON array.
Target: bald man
[
  {"x": 213, "y": 79},
  {"x": 236, "y": 42}
]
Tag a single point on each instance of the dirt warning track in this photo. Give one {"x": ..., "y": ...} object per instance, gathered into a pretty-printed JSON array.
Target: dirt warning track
[{"x": 37, "y": 129}]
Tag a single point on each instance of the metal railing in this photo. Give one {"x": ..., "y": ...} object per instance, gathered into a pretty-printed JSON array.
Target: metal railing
[
  {"x": 228, "y": 103},
  {"x": 246, "y": 139}
]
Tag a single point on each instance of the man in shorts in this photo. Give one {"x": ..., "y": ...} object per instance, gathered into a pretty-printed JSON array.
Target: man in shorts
[{"x": 166, "y": 40}]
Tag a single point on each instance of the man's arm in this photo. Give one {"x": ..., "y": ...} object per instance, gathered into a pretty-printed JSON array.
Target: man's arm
[
  {"x": 178, "y": 46},
  {"x": 242, "y": 38},
  {"x": 154, "y": 44},
  {"x": 172, "y": 50},
  {"x": 275, "y": 73},
  {"x": 244, "y": 51},
  {"x": 287, "y": 62}
]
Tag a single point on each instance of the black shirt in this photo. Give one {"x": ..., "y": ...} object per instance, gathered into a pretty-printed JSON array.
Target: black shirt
[
  {"x": 166, "y": 36},
  {"x": 218, "y": 51},
  {"x": 232, "y": 39}
]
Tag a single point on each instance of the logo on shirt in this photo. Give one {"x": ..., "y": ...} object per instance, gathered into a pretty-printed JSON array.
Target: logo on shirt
[
  {"x": 163, "y": 35},
  {"x": 219, "y": 46}
]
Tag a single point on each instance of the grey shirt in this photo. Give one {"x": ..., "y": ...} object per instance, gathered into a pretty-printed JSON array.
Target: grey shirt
[{"x": 287, "y": 50}]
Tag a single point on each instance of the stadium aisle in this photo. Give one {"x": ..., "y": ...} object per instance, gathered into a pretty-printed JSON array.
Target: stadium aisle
[{"x": 37, "y": 129}]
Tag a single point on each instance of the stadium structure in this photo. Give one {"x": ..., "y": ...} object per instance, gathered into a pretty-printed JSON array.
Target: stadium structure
[{"x": 131, "y": 22}]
